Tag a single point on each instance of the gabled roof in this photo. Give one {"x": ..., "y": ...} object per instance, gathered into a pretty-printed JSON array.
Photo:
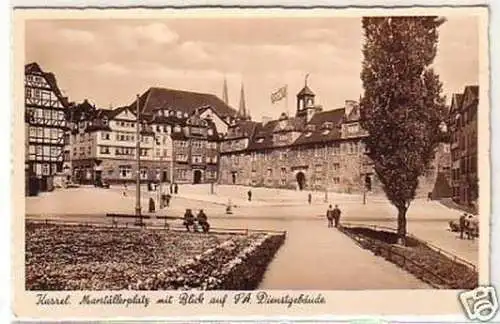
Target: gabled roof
[
  {"x": 320, "y": 134},
  {"x": 185, "y": 101},
  {"x": 263, "y": 136},
  {"x": 34, "y": 68},
  {"x": 245, "y": 128},
  {"x": 456, "y": 102}
]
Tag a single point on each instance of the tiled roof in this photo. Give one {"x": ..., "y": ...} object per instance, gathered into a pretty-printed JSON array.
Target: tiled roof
[
  {"x": 243, "y": 128},
  {"x": 320, "y": 134},
  {"x": 263, "y": 136},
  {"x": 185, "y": 101}
]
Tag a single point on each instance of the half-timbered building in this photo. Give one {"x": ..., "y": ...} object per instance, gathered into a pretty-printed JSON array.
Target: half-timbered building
[{"x": 45, "y": 122}]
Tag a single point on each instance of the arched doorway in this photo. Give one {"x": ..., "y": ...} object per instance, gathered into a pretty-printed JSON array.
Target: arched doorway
[
  {"x": 301, "y": 180},
  {"x": 197, "y": 176}
]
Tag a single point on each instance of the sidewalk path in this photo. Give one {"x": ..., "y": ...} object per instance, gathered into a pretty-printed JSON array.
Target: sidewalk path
[{"x": 315, "y": 257}]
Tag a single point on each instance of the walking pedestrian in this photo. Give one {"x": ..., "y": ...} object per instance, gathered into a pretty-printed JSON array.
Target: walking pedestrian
[
  {"x": 461, "y": 224},
  {"x": 329, "y": 216},
  {"x": 309, "y": 198},
  {"x": 470, "y": 228},
  {"x": 249, "y": 193},
  {"x": 176, "y": 188},
  {"x": 167, "y": 200},
  {"x": 124, "y": 189},
  {"x": 336, "y": 215},
  {"x": 151, "y": 205},
  {"x": 171, "y": 189}
]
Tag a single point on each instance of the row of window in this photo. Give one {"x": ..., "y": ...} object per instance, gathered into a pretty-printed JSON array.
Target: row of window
[
  {"x": 48, "y": 151},
  {"x": 45, "y": 113},
  {"x": 45, "y": 132}
]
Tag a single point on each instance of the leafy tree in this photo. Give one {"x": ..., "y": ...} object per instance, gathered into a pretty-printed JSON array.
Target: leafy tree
[{"x": 402, "y": 106}]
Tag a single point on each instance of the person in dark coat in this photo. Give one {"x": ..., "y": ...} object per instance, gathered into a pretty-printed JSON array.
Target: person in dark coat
[
  {"x": 336, "y": 215},
  {"x": 188, "y": 219},
  {"x": 329, "y": 216},
  {"x": 203, "y": 221},
  {"x": 461, "y": 223},
  {"x": 176, "y": 188},
  {"x": 167, "y": 199},
  {"x": 171, "y": 189},
  {"x": 309, "y": 198},
  {"x": 249, "y": 193},
  {"x": 151, "y": 205}
]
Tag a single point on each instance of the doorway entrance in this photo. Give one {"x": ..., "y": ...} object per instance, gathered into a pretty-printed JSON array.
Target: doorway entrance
[
  {"x": 301, "y": 180},
  {"x": 197, "y": 176},
  {"x": 233, "y": 177}
]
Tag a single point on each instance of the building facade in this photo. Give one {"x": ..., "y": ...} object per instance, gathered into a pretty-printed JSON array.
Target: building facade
[
  {"x": 463, "y": 115},
  {"x": 313, "y": 150},
  {"x": 178, "y": 141},
  {"x": 45, "y": 125}
]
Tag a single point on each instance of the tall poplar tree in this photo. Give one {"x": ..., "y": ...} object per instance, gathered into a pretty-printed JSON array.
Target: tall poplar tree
[{"x": 402, "y": 106}]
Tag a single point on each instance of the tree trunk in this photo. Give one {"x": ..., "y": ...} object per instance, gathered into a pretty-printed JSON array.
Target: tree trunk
[{"x": 402, "y": 225}]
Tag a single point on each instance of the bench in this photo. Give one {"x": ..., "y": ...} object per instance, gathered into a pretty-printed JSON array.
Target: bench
[
  {"x": 127, "y": 216},
  {"x": 165, "y": 224}
]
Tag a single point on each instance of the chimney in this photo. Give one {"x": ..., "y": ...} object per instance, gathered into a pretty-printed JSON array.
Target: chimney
[
  {"x": 349, "y": 106},
  {"x": 266, "y": 119}
]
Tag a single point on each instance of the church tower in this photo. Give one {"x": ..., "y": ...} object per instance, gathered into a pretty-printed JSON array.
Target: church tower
[
  {"x": 243, "y": 106},
  {"x": 225, "y": 96}
]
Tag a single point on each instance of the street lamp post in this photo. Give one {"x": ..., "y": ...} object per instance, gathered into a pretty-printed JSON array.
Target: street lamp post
[
  {"x": 326, "y": 173},
  {"x": 138, "y": 213}
]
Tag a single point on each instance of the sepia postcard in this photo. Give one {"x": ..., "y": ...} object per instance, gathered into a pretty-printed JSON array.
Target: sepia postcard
[{"x": 236, "y": 162}]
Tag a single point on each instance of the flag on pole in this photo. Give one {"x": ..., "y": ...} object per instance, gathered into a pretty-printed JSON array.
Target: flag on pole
[{"x": 279, "y": 94}]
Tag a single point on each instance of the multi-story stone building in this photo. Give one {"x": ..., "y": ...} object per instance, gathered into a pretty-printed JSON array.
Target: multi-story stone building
[
  {"x": 103, "y": 146},
  {"x": 463, "y": 124},
  {"x": 313, "y": 150},
  {"x": 179, "y": 138},
  {"x": 45, "y": 123}
]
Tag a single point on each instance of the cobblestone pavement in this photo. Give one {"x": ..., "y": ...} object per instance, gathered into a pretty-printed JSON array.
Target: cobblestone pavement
[{"x": 313, "y": 257}]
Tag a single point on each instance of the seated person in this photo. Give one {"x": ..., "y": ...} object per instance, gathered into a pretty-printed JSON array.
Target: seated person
[
  {"x": 188, "y": 219},
  {"x": 203, "y": 221}
]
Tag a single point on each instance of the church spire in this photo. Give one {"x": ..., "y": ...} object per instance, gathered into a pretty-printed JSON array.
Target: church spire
[
  {"x": 243, "y": 107},
  {"x": 224, "y": 92}
]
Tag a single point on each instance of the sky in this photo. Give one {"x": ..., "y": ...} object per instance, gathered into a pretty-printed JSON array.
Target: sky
[{"x": 109, "y": 61}]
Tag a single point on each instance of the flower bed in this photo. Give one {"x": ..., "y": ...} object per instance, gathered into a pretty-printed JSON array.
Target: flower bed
[
  {"x": 61, "y": 257},
  {"x": 417, "y": 258}
]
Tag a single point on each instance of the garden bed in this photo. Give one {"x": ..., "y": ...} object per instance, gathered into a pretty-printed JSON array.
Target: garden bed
[
  {"x": 64, "y": 257},
  {"x": 426, "y": 263}
]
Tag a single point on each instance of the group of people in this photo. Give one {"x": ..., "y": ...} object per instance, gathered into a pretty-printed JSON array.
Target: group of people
[
  {"x": 468, "y": 224},
  {"x": 195, "y": 223},
  {"x": 333, "y": 216}
]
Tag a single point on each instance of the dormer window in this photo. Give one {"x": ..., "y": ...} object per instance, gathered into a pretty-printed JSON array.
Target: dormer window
[
  {"x": 105, "y": 121},
  {"x": 179, "y": 114},
  {"x": 310, "y": 128},
  {"x": 210, "y": 132},
  {"x": 177, "y": 128},
  {"x": 326, "y": 132},
  {"x": 260, "y": 140},
  {"x": 308, "y": 134}
]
